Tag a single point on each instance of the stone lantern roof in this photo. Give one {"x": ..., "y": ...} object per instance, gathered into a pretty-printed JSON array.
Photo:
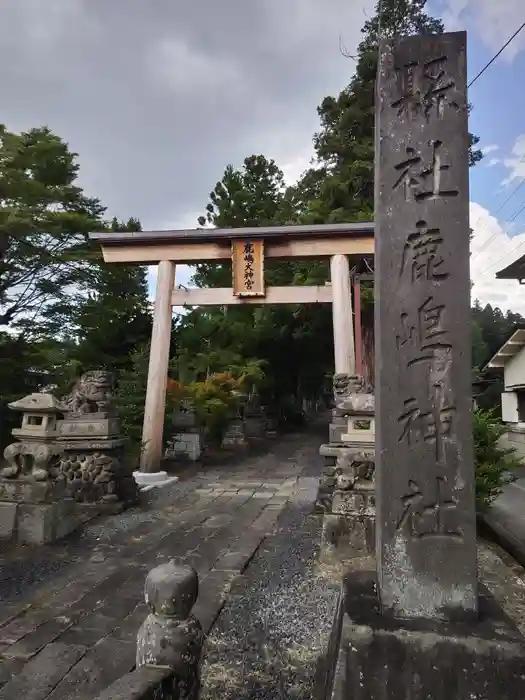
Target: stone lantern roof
[{"x": 38, "y": 403}]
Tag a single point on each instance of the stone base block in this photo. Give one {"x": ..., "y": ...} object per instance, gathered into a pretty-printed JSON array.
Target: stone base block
[
  {"x": 380, "y": 658},
  {"x": 28, "y": 490},
  {"x": 40, "y": 523},
  {"x": 255, "y": 427},
  {"x": 187, "y": 446},
  {"x": 347, "y": 450},
  {"x": 346, "y": 537},
  {"x": 8, "y": 512}
]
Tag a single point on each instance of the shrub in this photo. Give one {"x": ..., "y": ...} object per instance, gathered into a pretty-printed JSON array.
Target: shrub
[
  {"x": 216, "y": 400},
  {"x": 493, "y": 463}
]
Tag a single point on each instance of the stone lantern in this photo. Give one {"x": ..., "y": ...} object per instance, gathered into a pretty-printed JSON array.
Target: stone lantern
[
  {"x": 34, "y": 504},
  {"x": 33, "y": 453}
]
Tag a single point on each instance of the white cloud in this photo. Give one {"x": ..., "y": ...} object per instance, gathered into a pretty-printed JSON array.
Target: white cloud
[
  {"x": 493, "y": 249},
  {"x": 183, "y": 68},
  {"x": 492, "y": 162},
  {"x": 516, "y": 161},
  {"x": 489, "y": 149},
  {"x": 495, "y": 22},
  {"x": 295, "y": 167}
]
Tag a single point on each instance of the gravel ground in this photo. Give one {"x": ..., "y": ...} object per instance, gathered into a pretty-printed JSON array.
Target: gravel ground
[{"x": 270, "y": 638}]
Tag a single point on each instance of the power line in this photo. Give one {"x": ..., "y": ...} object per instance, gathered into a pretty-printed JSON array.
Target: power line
[
  {"x": 519, "y": 185},
  {"x": 489, "y": 240},
  {"x": 494, "y": 264},
  {"x": 496, "y": 55}
]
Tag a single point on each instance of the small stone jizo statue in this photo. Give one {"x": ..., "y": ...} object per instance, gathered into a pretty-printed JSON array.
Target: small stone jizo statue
[{"x": 171, "y": 636}]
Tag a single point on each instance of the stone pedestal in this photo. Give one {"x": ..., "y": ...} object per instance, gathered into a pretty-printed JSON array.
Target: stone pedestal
[
  {"x": 36, "y": 512},
  {"x": 381, "y": 658},
  {"x": 235, "y": 436},
  {"x": 188, "y": 441},
  {"x": 92, "y": 461},
  {"x": 186, "y": 446},
  {"x": 255, "y": 427},
  {"x": 347, "y": 490},
  {"x": 254, "y": 419}
]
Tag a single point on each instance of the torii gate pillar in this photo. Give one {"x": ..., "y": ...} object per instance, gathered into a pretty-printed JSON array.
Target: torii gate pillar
[
  {"x": 344, "y": 347},
  {"x": 155, "y": 407}
]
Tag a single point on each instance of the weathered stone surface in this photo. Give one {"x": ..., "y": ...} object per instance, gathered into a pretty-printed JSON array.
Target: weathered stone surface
[
  {"x": 354, "y": 502},
  {"x": 143, "y": 684},
  {"x": 30, "y": 491},
  {"x": 347, "y": 537},
  {"x": 186, "y": 445},
  {"x": 426, "y": 514},
  {"x": 31, "y": 458},
  {"x": 91, "y": 394},
  {"x": 381, "y": 658},
  {"x": 171, "y": 636},
  {"x": 254, "y": 427},
  {"x": 41, "y": 523},
  {"x": 104, "y": 663},
  {"x": 356, "y": 403},
  {"x": 38, "y": 678},
  {"x": 234, "y": 436},
  {"x": 8, "y": 513},
  {"x": 88, "y": 426}
]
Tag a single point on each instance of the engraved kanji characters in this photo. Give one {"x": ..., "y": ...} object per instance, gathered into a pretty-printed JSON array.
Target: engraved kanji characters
[
  {"x": 422, "y": 184},
  {"x": 433, "y": 517},
  {"x": 423, "y": 180},
  {"x": 425, "y": 88},
  {"x": 249, "y": 273},
  {"x": 426, "y": 333},
  {"x": 432, "y": 426},
  {"x": 422, "y": 249}
]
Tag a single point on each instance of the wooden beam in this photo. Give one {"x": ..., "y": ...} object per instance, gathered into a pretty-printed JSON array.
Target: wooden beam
[
  {"x": 252, "y": 233},
  {"x": 274, "y": 295},
  {"x": 192, "y": 253}
]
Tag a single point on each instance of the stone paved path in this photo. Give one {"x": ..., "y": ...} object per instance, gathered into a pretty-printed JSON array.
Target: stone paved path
[{"x": 69, "y": 612}]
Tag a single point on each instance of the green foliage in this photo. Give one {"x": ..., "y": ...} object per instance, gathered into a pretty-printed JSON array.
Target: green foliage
[
  {"x": 114, "y": 317},
  {"x": 44, "y": 219},
  {"x": 491, "y": 329},
  {"x": 130, "y": 397},
  {"x": 340, "y": 186},
  {"x": 216, "y": 400},
  {"x": 493, "y": 463}
]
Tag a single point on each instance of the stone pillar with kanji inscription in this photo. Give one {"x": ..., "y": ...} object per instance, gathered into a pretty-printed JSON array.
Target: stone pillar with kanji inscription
[{"x": 426, "y": 519}]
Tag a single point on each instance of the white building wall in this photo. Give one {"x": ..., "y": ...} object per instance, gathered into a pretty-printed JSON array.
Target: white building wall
[
  {"x": 514, "y": 372},
  {"x": 509, "y": 407}
]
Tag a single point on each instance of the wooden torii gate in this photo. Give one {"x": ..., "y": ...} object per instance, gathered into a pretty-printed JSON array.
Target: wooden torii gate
[{"x": 247, "y": 248}]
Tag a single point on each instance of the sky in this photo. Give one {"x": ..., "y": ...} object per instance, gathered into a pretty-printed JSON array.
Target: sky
[{"x": 158, "y": 97}]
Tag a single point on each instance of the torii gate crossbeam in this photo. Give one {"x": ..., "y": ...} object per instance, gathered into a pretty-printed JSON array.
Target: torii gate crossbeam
[{"x": 337, "y": 242}]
